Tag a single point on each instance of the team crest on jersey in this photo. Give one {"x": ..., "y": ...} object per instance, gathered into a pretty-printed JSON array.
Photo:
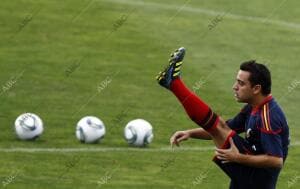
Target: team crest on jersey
[{"x": 248, "y": 133}]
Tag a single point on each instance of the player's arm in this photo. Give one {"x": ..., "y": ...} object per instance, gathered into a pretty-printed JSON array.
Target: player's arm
[
  {"x": 197, "y": 133},
  {"x": 232, "y": 155},
  {"x": 260, "y": 160},
  {"x": 236, "y": 124}
]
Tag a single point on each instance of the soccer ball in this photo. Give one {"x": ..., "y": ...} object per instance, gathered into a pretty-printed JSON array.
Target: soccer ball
[
  {"x": 28, "y": 126},
  {"x": 138, "y": 132},
  {"x": 90, "y": 129}
]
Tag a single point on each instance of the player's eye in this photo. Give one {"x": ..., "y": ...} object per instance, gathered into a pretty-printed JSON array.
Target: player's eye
[{"x": 241, "y": 83}]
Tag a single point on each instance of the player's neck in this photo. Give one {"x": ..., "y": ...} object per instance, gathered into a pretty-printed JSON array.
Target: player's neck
[{"x": 258, "y": 100}]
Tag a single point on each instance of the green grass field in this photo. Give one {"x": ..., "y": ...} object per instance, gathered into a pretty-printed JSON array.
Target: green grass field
[{"x": 67, "y": 59}]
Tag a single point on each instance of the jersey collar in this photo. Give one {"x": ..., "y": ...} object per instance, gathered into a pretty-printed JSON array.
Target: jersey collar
[{"x": 266, "y": 100}]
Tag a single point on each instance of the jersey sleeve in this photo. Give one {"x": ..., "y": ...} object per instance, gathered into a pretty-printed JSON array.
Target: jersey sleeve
[
  {"x": 271, "y": 128},
  {"x": 238, "y": 122}
]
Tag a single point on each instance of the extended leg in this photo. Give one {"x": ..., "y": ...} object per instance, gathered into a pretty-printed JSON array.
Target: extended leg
[
  {"x": 197, "y": 110},
  {"x": 201, "y": 113}
]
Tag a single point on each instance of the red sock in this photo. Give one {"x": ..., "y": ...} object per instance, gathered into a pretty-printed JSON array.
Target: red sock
[{"x": 197, "y": 110}]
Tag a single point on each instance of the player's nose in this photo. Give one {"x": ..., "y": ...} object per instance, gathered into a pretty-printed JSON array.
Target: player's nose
[{"x": 234, "y": 87}]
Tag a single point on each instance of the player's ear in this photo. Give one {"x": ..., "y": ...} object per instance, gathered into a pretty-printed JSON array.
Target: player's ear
[{"x": 256, "y": 89}]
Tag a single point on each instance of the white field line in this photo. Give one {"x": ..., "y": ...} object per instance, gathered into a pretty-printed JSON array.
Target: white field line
[
  {"x": 108, "y": 149},
  {"x": 261, "y": 20}
]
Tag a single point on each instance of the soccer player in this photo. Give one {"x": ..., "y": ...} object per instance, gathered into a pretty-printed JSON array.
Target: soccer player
[{"x": 253, "y": 162}]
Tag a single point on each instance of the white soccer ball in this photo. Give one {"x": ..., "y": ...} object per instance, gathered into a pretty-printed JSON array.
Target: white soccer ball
[
  {"x": 138, "y": 132},
  {"x": 28, "y": 126},
  {"x": 90, "y": 129}
]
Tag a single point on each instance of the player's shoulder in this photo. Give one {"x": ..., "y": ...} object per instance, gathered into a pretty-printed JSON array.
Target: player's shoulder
[
  {"x": 274, "y": 110},
  {"x": 272, "y": 117}
]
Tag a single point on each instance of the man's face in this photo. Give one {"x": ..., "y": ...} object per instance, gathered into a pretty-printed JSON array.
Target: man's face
[{"x": 243, "y": 91}]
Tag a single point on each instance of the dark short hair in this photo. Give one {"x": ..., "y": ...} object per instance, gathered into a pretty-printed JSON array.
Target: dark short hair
[{"x": 259, "y": 75}]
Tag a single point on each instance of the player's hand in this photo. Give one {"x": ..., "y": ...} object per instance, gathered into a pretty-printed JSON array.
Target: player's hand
[
  {"x": 228, "y": 155},
  {"x": 178, "y": 137}
]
